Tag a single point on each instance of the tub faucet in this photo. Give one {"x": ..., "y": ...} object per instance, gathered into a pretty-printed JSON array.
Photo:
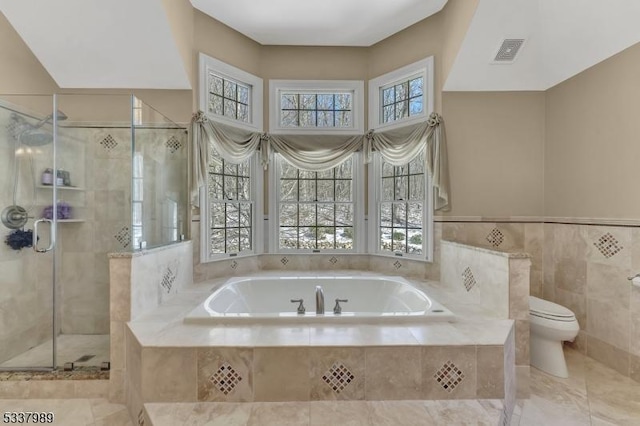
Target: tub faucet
[{"x": 319, "y": 300}]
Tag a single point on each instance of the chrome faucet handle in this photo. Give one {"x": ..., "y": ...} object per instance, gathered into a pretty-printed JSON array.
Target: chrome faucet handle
[
  {"x": 337, "y": 310},
  {"x": 301, "y": 309}
]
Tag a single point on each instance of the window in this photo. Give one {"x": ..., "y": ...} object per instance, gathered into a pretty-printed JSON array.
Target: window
[
  {"x": 231, "y": 205},
  {"x": 316, "y": 107},
  {"x": 400, "y": 197},
  {"x": 400, "y": 214},
  {"x": 230, "y": 95},
  {"x": 316, "y": 110},
  {"x": 228, "y": 98},
  {"x": 401, "y": 97},
  {"x": 136, "y": 199},
  {"x": 316, "y": 211}
]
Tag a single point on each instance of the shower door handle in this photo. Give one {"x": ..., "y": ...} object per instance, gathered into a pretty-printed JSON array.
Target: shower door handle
[{"x": 35, "y": 236}]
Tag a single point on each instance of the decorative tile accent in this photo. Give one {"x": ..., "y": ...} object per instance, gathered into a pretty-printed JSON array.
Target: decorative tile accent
[
  {"x": 333, "y": 260},
  {"x": 608, "y": 245},
  {"x": 168, "y": 279},
  {"x": 173, "y": 144},
  {"x": 284, "y": 260},
  {"x": 234, "y": 265},
  {"x": 468, "y": 279},
  {"x": 109, "y": 143},
  {"x": 124, "y": 236},
  {"x": 449, "y": 376},
  {"x": 226, "y": 378},
  {"x": 397, "y": 264},
  {"x": 495, "y": 237},
  {"x": 338, "y": 377}
]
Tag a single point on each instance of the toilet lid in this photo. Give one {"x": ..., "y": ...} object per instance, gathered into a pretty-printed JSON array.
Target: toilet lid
[{"x": 544, "y": 308}]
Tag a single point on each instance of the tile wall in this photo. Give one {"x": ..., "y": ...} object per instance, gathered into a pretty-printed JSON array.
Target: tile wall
[
  {"x": 272, "y": 374},
  {"x": 138, "y": 283},
  {"x": 586, "y": 269}
]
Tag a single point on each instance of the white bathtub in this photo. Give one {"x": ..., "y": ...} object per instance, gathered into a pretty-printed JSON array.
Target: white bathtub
[{"x": 268, "y": 299}]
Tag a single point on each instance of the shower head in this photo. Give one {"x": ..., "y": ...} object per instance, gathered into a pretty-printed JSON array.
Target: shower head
[
  {"x": 32, "y": 135},
  {"x": 35, "y": 137}
]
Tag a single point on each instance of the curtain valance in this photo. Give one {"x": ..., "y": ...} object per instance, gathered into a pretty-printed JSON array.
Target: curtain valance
[{"x": 322, "y": 152}]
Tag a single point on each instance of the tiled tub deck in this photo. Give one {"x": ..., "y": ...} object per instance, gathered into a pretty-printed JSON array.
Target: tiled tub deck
[{"x": 169, "y": 361}]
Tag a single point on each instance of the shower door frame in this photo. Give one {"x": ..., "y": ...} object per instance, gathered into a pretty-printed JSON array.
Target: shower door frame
[{"x": 52, "y": 244}]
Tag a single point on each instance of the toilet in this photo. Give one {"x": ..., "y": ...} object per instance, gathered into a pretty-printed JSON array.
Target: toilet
[{"x": 550, "y": 325}]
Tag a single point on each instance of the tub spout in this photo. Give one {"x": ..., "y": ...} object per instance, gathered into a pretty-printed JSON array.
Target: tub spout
[{"x": 319, "y": 300}]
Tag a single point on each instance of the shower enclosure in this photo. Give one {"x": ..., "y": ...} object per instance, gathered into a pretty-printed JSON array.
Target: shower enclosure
[{"x": 80, "y": 176}]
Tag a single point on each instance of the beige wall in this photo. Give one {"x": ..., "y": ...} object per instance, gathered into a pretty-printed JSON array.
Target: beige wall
[
  {"x": 592, "y": 149},
  {"x": 495, "y": 143}
]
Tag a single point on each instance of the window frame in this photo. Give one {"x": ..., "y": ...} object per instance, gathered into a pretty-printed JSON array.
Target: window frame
[
  {"x": 375, "y": 199},
  {"x": 422, "y": 68},
  {"x": 257, "y": 218},
  {"x": 359, "y": 228},
  {"x": 276, "y": 87},
  {"x": 255, "y": 84}
]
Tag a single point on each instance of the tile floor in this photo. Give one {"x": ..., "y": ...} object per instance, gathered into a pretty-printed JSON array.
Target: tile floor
[
  {"x": 71, "y": 347},
  {"x": 594, "y": 395},
  {"x": 72, "y": 412}
]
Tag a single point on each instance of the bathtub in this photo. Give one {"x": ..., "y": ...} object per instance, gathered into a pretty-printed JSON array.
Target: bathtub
[{"x": 268, "y": 299}]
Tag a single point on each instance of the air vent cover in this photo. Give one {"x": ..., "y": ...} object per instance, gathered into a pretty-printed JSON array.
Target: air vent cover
[{"x": 508, "y": 50}]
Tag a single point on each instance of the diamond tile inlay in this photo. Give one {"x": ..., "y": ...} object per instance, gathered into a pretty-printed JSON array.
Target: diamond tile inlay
[
  {"x": 234, "y": 265},
  {"x": 167, "y": 280},
  {"x": 495, "y": 237},
  {"x": 108, "y": 143},
  {"x": 449, "y": 376},
  {"x": 468, "y": 279},
  {"x": 397, "y": 264},
  {"x": 284, "y": 260},
  {"x": 338, "y": 377},
  {"x": 226, "y": 378},
  {"x": 173, "y": 144},
  {"x": 333, "y": 260},
  {"x": 123, "y": 236},
  {"x": 608, "y": 245}
]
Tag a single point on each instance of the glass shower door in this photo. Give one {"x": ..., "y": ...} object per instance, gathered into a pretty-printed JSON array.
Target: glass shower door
[{"x": 27, "y": 250}]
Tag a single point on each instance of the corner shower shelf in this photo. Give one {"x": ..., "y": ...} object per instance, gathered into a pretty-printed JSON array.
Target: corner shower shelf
[{"x": 65, "y": 188}]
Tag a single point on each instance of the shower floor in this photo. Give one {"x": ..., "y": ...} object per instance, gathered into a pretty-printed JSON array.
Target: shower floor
[{"x": 83, "y": 350}]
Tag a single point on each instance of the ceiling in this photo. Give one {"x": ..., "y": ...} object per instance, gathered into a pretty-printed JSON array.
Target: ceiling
[
  {"x": 129, "y": 44},
  {"x": 100, "y": 43},
  {"x": 563, "y": 38},
  {"x": 324, "y": 23}
]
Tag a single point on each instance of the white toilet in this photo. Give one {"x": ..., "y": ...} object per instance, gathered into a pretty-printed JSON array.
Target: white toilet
[{"x": 550, "y": 325}]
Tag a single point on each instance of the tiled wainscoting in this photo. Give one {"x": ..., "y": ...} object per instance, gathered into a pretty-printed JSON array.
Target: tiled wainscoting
[
  {"x": 586, "y": 269},
  {"x": 327, "y": 373}
]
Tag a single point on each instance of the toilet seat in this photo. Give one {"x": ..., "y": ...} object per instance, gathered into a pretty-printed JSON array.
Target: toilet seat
[{"x": 548, "y": 310}]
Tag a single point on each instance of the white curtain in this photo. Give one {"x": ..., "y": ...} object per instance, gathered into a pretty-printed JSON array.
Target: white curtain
[
  {"x": 313, "y": 152},
  {"x": 401, "y": 145},
  {"x": 323, "y": 152}
]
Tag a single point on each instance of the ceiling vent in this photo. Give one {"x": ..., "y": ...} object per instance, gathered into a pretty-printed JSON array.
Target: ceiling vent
[{"x": 508, "y": 50}]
